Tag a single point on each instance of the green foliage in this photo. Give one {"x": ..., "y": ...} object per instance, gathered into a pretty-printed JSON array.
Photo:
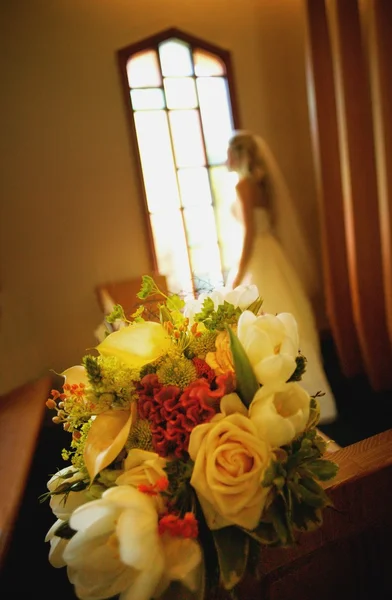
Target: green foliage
[
  {"x": 297, "y": 498},
  {"x": 148, "y": 288},
  {"x": 232, "y": 546},
  {"x": 137, "y": 315},
  {"x": 247, "y": 384},
  {"x": 170, "y": 311},
  {"x": 64, "y": 489},
  {"x": 174, "y": 303},
  {"x": 93, "y": 369},
  {"x": 179, "y": 491},
  {"x": 255, "y": 306},
  {"x": 76, "y": 451},
  {"x": 314, "y": 413},
  {"x": 225, "y": 314},
  {"x": 65, "y": 531},
  {"x": 116, "y": 314},
  {"x": 300, "y": 368},
  {"x": 265, "y": 534}
]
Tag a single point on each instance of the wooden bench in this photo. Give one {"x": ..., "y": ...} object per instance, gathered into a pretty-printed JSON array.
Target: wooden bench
[
  {"x": 350, "y": 556},
  {"x": 22, "y": 413}
]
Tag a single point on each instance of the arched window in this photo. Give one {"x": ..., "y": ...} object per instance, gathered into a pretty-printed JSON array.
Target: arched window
[{"x": 179, "y": 95}]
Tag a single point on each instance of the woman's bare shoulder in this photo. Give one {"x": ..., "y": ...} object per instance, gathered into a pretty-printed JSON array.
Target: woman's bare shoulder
[
  {"x": 246, "y": 185},
  {"x": 250, "y": 192}
]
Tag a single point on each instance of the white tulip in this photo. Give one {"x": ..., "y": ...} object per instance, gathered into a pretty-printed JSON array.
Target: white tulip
[
  {"x": 63, "y": 505},
  {"x": 117, "y": 548},
  {"x": 280, "y": 413},
  {"x": 57, "y": 545},
  {"x": 271, "y": 344}
]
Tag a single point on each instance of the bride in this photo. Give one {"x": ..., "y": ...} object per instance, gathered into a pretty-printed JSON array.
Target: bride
[{"x": 271, "y": 234}]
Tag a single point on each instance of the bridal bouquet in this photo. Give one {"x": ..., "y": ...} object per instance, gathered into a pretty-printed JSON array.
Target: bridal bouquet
[{"x": 192, "y": 446}]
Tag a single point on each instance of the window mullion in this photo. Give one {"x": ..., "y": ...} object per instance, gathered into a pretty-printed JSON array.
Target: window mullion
[
  {"x": 207, "y": 161},
  {"x": 176, "y": 170}
]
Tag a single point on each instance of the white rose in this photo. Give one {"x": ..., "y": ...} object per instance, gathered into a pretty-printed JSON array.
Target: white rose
[
  {"x": 280, "y": 414},
  {"x": 63, "y": 505},
  {"x": 271, "y": 344},
  {"x": 230, "y": 462}
]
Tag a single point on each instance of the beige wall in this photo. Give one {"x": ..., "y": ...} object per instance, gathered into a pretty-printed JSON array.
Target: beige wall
[{"x": 70, "y": 215}]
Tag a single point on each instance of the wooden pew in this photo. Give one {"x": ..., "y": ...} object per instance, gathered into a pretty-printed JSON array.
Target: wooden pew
[
  {"x": 350, "y": 556},
  {"x": 22, "y": 413}
]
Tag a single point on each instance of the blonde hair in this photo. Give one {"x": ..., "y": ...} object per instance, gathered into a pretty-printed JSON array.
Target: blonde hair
[{"x": 248, "y": 161}]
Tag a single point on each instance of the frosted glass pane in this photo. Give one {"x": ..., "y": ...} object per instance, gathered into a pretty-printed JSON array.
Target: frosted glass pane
[
  {"x": 206, "y": 267},
  {"x": 200, "y": 226},
  {"x": 207, "y": 64},
  {"x": 143, "y": 70},
  {"x": 216, "y": 117},
  {"x": 180, "y": 92},
  {"x": 187, "y": 138},
  {"x": 208, "y": 281},
  {"x": 175, "y": 58},
  {"x": 171, "y": 250},
  {"x": 230, "y": 230},
  {"x": 194, "y": 187},
  {"x": 147, "y": 99},
  {"x": 159, "y": 173}
]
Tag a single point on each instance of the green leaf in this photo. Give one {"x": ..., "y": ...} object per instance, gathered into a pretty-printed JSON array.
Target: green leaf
[
  {"x": 65, "y": 531},
  {"x": 279, "y": 521},
  {"x": 255, "y": 306},
  {"x": 137, "y": 315},
  {"x": 232, "y": 546},
  {"x": 247, "y": 384},
  {"x": 275, "y": 474},
  {"x": 300, "y": 368},
  {"x": 117, "y": 313},
  {"x": 307, "y": 490},
  {"x": 206, "y": 309},
  {"x": 148, "y": 287},
  {"x": 322, "y": 469},
  {"x": 314, "y": 413},
  {"x": 165, "y": 315},
  {"x": 305, "y": 517},
  {"x": 264, "y": 533},
  {"x": 175, "y": 303}
]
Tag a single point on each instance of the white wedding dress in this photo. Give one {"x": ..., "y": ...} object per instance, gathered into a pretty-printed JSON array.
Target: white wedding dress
[{"x": 282, "y": 291}]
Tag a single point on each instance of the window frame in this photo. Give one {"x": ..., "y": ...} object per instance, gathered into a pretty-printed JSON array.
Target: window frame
[{"x": 152, "y": 42}]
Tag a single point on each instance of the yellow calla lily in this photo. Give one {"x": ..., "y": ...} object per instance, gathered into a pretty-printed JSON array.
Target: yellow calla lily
[
  {"x": 76, "y": 374},
  {"x": 105, "y": 440},
  {"x": 137, "y": 344}
]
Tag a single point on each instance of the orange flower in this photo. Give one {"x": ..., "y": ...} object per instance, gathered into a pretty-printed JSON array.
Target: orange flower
[{"x": 222, "y": 359}]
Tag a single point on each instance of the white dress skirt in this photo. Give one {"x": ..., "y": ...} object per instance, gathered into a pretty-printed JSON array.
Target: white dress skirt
[{"x": 282, "y": 291}]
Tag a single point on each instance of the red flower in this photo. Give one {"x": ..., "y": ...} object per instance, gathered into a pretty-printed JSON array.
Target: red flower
[
  {"x": 173, "y": 414},
  {"x": 177, "y": 527},
  {"x": 203, "y": 369}
]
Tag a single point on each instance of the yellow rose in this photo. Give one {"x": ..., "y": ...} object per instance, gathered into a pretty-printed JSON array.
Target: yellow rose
[
  {"x": 222, "y": 359},
  {"x": 230, "y": 462}
]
